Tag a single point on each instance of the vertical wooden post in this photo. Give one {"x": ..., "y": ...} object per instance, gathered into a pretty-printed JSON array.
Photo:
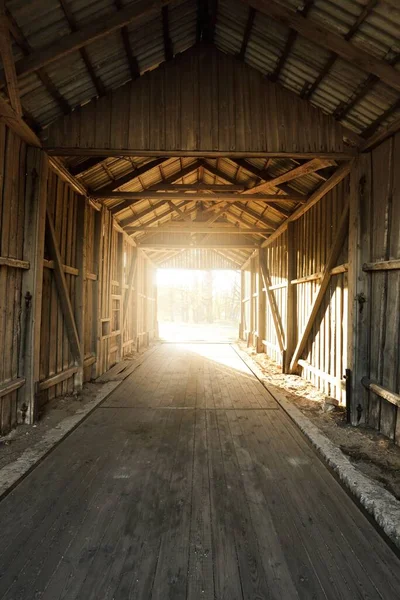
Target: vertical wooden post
[
  {"x": 291, "y": 309},
  {"x": 251, "y": 304},
  {"x": 358, "y": 288},
  {"x": 81, "y": 288},
  {"x": 32, "y": 281},
  {"x": 242, "y": 313},
  {"x": 98, "y": 269},
  {"x": 137, "y": 297},
  {"x": 261, "y": 305},
  {"x": 120, "y": 265}
]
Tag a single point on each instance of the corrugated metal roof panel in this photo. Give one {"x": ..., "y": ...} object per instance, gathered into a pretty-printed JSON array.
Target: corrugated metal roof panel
[{"x": 43, "y": 22}]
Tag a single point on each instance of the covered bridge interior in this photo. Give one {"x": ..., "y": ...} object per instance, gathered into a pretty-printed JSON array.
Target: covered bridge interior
[
  {"x": 256, "y": 135},
  {"x": 259, "y": 136}
]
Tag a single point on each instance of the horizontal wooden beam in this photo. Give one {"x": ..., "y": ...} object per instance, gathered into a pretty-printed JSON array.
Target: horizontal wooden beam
[
  {"x": 63, "y": 151},
  {"x": 177, "y": 246},
  {"x": 15, "y": 263},
  {"x": 199, "y": 229},
  {"x": 56, "y": 379},
  {"x": 196, "y": 187},
  {"x": 383, "y": 265},
  {"x": 315, "y": 197},
  {"x": 320, "y": 35},
  {"x": 133, "y": 15},
  {"x": 381, "y": 391},
  {"x": 226, "y": 196},
  {"x": 11, "y": 386}
]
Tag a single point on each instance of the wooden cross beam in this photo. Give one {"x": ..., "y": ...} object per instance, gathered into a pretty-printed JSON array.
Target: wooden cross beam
[
  {"x": 272, "y": 303},
  {"x": 333, "y": 256},
  {"x": 309, "y": 167},
  {"x": 315, "y": 197},
  {"x": 197, "y": 228},
  {"x": 196, "y": 187},
  {"x": 177, "y": 246},
  {"x": 63, "y": 292},
  {"x": 197, "y": 196},
  {"x": 129, "y": 177},
  {"x": 157, "y": 218}
]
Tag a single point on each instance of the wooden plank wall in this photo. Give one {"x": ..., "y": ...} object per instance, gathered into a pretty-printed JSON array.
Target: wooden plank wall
[
  {"x": 276, "y": 259},
  {"x": 240, "y": 110},
  {"x": 324, "y": 359},
  {"x": 55, "y": 353},
  {"x": 326, "y": 348},
  {"x": 383, "y": 286},
  {"x": 104, "y": 287},
  {"x": 12, "y": 214}
]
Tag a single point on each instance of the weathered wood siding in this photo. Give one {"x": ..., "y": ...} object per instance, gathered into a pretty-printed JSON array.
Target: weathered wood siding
[
  {"x": 203, "y": 100},
  {"x": 12, "y": 215},
  {"x": 324, "y": 359},
  {"x": 276, "y": 259},
  {"x": 95, "y": 257},
  {"x": 382, "y": 232},
  {"x": 55, "y": 353},
  {"x": 326, "y": 348}
]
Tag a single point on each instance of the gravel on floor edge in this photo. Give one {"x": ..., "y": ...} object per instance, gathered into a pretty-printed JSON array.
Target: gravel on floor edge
[{"x": 378, "y": 502}]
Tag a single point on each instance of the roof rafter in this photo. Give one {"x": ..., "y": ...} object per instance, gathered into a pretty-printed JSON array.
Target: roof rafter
[
  {"x": 373, "y": 127},
  {"x": 87, "y": 164},
  {"x": 129, "y": 177},
  {"x": 263, "y": 174},
  {"x": 172, "y": 179},
  {"x": 168, "y": 49},
  {"x": 131, "y": 58},
  {"x": 41, "y": 73},
  {"x": 292, "y": 37},
  {"x": 69, "y": 15},
  {"x": 135, "y": 14},
  {"x": 247, "y": 32},
  {"x": 366, "y": 11},
  {"x": 342, "y": 110},
  {"x": 156, "y": 217},
  {"x": 8, "y": 63},
  {"x": 322, "y": 36}
]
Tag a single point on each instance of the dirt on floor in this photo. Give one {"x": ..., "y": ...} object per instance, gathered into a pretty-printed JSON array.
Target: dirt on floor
[
  {"x": 26, "y": 436},
  {"x": 373, "y": 454}
]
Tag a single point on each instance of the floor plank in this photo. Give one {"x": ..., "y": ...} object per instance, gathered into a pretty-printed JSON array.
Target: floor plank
[{"x": 189, "y": 483}]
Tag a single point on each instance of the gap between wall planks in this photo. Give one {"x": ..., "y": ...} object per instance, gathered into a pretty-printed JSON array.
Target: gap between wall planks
[{"x": 310, "y": 239}]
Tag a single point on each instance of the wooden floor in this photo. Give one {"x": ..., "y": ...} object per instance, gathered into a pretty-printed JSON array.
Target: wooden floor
[{"x": 188, "y": 483}]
